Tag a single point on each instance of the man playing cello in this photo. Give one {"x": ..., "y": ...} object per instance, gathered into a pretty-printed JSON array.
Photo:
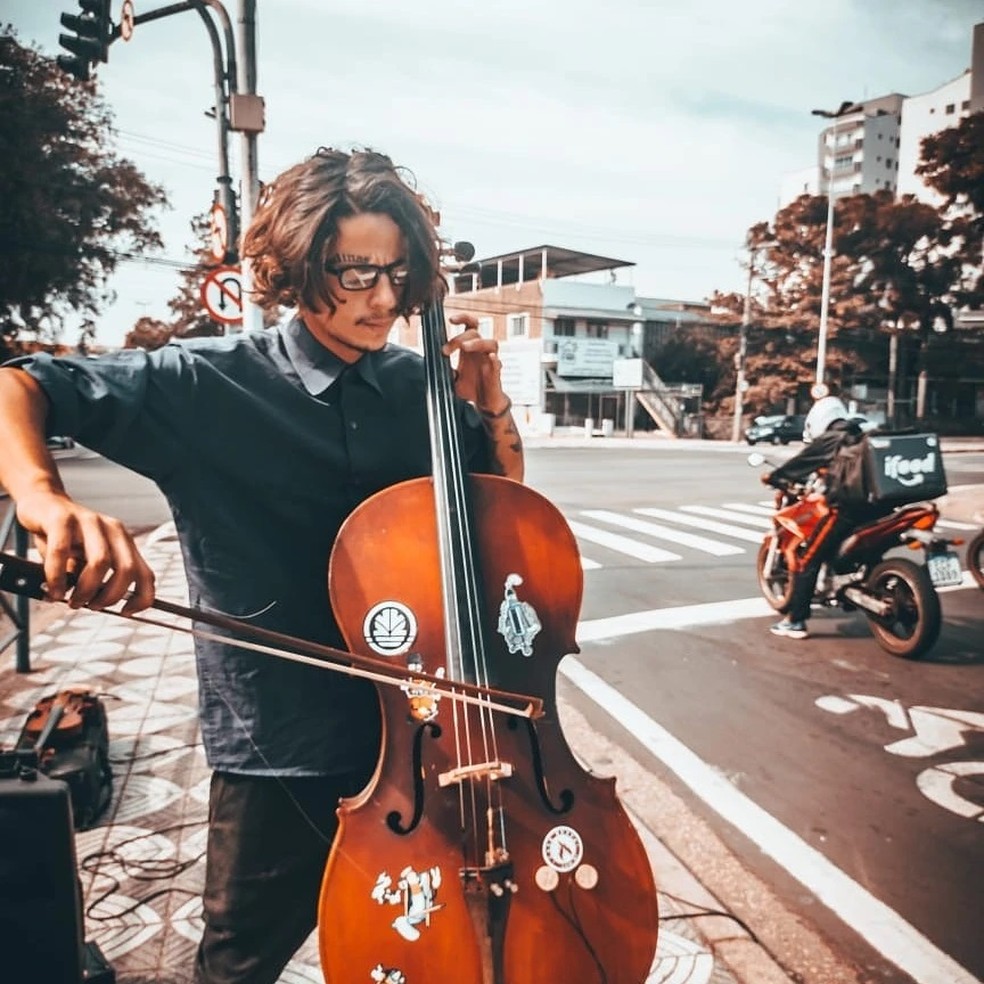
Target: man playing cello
[{"x": 263, "y": 443}]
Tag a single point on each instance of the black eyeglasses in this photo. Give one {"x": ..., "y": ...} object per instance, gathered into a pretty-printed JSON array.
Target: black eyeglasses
[{"x": 365, "y": 276}]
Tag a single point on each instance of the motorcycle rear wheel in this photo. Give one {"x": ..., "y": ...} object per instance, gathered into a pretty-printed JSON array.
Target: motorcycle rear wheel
[
  {"x": 975, "y": 559},
  {"x": 913, "y": 625},
  {"x": 776, "y": 585}
]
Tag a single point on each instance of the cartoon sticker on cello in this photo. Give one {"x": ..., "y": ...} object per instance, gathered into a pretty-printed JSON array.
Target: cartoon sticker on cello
[
  {"x": 387, "y": 975},
  {"x": 420, "y": 694},
  {"x": 518, "y": 623},
  {"x": 417, "y": 892}
]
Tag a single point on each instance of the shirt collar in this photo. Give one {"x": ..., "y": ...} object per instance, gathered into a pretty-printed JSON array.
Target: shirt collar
[{"x": 316, "y": 366}]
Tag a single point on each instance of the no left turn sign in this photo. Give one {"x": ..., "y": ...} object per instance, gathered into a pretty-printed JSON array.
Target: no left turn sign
[{"x": 222, "y": 295}]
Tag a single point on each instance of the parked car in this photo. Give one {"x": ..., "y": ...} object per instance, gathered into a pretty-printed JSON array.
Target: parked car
[{"x": 778, "y": 429}]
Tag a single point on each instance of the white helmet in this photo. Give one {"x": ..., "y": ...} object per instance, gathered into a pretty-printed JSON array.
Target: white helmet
[{"x": 822, "y": 414}]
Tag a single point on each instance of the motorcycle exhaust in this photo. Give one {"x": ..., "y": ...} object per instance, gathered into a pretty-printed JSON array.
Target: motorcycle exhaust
[{"x": 864, "y": 600}]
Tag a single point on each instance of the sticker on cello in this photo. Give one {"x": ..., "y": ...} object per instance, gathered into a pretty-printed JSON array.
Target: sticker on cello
[
  {"x": 387, "y": 975},
  {"x": 562, "y": 848},
  {"x": 518, "y": 622},
  {"x": 416, "y": 892},
  {"x": 389, "y": 628},
  {"x": 420, "y": 694}
]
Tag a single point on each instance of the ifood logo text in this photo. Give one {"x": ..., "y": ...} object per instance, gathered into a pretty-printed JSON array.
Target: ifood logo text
[{"x": 909, "y": 471}]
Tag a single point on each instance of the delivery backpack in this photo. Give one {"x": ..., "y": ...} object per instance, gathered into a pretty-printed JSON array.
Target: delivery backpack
[{"x": 68, "y": 734}]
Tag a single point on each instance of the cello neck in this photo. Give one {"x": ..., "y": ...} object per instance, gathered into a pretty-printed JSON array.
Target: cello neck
[{"x": 462, "y": 603}]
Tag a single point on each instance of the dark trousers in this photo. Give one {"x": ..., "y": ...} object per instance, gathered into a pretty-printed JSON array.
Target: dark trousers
[
  {"x": 268, "y": 841},
  {"x": 804, "y": 583}
]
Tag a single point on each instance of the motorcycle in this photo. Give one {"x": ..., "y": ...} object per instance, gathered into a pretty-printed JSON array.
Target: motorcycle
[
  {"x": 898, "y": 596},
  {"x": 975, "y": 558}
]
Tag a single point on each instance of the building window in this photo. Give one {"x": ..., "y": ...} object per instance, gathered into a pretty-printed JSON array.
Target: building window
[
  {"x": 857, "y": 167},
  {"x": 486, "y": 327},
  {"x": 888, "y": 162},
  {"x": 843, "y": 161},
  {"x": 950, "y": 108},
  {"x": 597, "y": 329},
  {"x": 879, "y": 136},
  {"x": 564, "y": 326},
  {"x": 965, "y": 104},
  {"x": 517, "y": 325}
]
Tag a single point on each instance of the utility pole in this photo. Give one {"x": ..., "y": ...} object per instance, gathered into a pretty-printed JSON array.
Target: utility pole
[
  {"x": 740, "y": 383},
  {"x": 253, "y": 125}
]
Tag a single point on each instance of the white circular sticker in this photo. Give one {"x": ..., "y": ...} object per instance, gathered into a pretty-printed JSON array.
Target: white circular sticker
[
  {"x": 389, "y": 628},
  {"x": 563, "y": 848}
]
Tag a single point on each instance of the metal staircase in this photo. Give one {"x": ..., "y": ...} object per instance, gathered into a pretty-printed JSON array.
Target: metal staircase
[{"x": 665, "y": 404}]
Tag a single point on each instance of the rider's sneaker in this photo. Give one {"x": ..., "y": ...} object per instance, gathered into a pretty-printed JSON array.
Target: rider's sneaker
[{"x": 790, "y": 629}]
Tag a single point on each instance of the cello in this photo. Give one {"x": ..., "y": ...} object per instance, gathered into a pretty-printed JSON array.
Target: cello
[{"x": 480, "y": 851}]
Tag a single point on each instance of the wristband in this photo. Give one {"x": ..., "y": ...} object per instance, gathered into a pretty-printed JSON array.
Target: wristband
[{"x": 497, "y": 416}]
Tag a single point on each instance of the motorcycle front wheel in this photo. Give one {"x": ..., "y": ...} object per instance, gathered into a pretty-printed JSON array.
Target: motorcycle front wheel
[
  {"x": 913, "y": 622},
  {"x": 774, "y": 578},
  {"x": 975, "y": 559}
]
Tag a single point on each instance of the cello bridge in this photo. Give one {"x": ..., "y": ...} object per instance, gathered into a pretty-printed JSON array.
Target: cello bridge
[{"x": 493, "y": 771}]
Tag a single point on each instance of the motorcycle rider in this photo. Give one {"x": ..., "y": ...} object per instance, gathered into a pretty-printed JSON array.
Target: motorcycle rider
[{"x": 827, "y": 429}]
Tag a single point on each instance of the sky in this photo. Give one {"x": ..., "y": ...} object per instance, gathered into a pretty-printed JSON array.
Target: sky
[{"x": 652, "y": 131}]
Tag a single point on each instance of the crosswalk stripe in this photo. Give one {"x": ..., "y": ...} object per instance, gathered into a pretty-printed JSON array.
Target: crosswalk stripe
[
  {"x": 952, "y": 524},
  {"x": 715, "y": 547},
  {"x": 708, "y": 525},
  {"x": 623, "y": 544},
  {"x": 759, "y": 521},
  {"x": 589, "y": 565},
  {"x": 755, "y": 510}
]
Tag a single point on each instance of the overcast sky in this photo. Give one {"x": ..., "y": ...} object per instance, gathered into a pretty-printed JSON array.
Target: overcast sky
[{"x": 651, "y": 131}]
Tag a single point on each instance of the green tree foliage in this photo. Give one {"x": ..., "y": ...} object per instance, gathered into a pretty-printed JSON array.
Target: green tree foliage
[
  {"x": 69, "y": 205},
  {"x": 952, "y": 163}
]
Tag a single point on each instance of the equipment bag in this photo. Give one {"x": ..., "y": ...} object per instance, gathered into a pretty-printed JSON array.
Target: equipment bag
[{"x": 69, "y": 734}]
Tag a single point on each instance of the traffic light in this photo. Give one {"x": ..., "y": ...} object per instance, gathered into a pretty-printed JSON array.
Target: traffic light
[{"x": 89, "y": 43}]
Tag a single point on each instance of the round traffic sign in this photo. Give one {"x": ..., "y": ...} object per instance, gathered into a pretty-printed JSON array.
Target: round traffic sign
[
  {"x": 218, "y": 232},
  {"x": 126, "y": 20},
  {"x": 222, "y": 295}
]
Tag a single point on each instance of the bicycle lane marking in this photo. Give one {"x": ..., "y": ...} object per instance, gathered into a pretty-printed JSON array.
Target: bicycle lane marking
[{"x": 883, "y": 928}]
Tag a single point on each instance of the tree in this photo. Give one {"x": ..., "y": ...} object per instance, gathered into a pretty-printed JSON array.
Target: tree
[
  {"x": 190, "y": 319},
  {"x": 149, "y": 334},
  {"x": 70, "y": 207},
  {"x": 952, "y": 163}
]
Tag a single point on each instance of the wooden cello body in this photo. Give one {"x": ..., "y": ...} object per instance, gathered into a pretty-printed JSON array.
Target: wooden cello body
[{"x": 481, "y": 852}]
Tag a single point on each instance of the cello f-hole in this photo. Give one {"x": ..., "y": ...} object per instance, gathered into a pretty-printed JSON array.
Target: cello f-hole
[
  {"x": 565, "y": 795},
  {"x": 394, "y": 817}
]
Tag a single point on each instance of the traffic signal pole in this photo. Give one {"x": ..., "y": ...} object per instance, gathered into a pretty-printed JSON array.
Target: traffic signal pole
[
  {"x": 250, "y": 191},
  {"x": 237, "y": 106}
]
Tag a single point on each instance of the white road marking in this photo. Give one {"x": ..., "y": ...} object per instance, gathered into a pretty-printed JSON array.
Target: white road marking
[
  {"x": 714, "y": 547},
  {"x": 952, "y": 524},
  {"x": 684, "y": 617},
  {"x": 589, "y": 565},
  {"x": 623, "y": 544},
  {"x": 708, "y": 525},
  {"x": 759, "y": 521},
  {"x": 880, "y": 925},
  {"x": 756, "y": 510}
]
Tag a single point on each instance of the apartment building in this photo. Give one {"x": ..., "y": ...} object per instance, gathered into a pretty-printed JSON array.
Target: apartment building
[{"x": 875, "y": 145}]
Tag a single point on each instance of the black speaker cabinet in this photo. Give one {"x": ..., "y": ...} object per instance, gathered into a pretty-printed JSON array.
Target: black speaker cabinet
[{"x": 40, "y": 906}]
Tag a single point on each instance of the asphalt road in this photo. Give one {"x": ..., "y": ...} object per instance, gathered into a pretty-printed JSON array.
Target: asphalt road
[{"x": 850, "y": 782}]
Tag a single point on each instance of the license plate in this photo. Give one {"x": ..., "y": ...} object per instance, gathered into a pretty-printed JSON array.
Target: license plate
[{"x": 944, "y": 569}]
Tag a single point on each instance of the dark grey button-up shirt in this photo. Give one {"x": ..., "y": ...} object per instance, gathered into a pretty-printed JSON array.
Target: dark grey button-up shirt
[{"x": 263, "y": 443}]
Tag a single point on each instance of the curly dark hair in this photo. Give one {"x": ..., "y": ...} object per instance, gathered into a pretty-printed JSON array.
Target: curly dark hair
[{"x": 293, "y": 232}]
